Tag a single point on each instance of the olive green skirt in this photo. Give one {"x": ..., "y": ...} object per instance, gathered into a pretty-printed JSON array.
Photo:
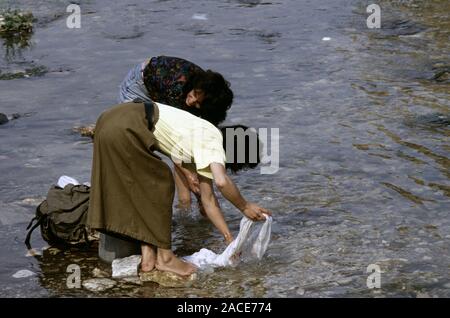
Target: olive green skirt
[{"x": 132, "y": 189}]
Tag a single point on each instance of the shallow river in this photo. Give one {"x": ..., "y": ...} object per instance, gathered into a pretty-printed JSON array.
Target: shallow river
[{"x": 363, "y": 116}]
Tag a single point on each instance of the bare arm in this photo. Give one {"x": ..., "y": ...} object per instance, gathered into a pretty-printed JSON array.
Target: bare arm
[
  {"x": 212, "y": 209},
  {"x": 232, "y": 194},
  {"x": 189, "y": 176}
]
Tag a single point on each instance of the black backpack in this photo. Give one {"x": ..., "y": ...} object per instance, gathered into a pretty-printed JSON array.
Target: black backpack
[{"x": 62, "y": 217}]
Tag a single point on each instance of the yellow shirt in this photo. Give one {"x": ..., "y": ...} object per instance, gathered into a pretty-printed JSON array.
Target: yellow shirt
[{"x": 183, "y": 136}]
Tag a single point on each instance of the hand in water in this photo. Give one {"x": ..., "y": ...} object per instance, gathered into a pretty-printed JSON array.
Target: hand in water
[{"x": 228, "y": 239}]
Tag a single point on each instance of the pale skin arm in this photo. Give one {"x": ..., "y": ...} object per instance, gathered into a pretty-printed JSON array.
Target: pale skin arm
[
  {"x": 229, "y": 190},
  {"x": 212, "y": 208},
  {"x": 182, "y": 186},
  {"x": 190, "y": 178}
]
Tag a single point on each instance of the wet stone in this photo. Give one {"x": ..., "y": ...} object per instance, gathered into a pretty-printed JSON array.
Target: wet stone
[
  {"x": 300, "y": 291},
  {"x": 98, "y": 273},
  {"x": 28, "y": 72},
  {"x": 53, "y": 251},
  {"x": 167, "y": 279},
  {"x": 132, "y": 280},
  {"x": 441, "y": 74},
  {"x": 345, "y": 281},
  {"x": 85, "y": 131},
  {"x": 32, "y": 201},
  {"x": 99, "y": 284},
  {"x": 32, "y": 253},
  {"x": 3, "y": 119},
  {"x": 423, "y": 295},
  {"x": 126, "y": 267},
  {"x": 23, "y": 273},
  {"x": 401, "y": 27}
]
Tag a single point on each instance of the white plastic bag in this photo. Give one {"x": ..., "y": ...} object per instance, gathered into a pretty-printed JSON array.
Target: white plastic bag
[
  {"x": 251, "y": 243},
  {"x": 65, "y": 180}
]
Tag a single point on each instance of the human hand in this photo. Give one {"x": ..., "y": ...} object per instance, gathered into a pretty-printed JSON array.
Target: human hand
[
  {"x": 228, "y": 238},
  {"x": 254, "y": 212},
  {"x": 193, "y": 183}
]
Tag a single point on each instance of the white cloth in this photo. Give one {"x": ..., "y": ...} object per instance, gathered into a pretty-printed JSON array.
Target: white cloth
[
  {"x": 65, "y": 180},
  {"x": 251, "y": 243}
]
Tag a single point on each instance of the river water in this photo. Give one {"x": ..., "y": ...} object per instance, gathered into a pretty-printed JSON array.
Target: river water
[{"x": 364, "y": 137}]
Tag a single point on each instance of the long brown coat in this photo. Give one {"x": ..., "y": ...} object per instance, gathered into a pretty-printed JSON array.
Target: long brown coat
[{"x": 132, "y": 189}]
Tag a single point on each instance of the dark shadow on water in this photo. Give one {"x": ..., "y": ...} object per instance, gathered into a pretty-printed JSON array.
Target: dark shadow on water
[
  {"x": 431, "y": 120},
  {"x": 252, "y": 3}
]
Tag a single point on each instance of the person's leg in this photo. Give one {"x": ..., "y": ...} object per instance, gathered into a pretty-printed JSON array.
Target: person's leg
[
  {"x": 184, "y": 194},
  {"x": 166, "y": 261},
  {"x": 148, "y": 257}
]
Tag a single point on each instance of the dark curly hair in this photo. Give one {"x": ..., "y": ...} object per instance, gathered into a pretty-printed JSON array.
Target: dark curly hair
[
  {"x": 245, "y": 147},
  {"x": 218, "y": 95}
]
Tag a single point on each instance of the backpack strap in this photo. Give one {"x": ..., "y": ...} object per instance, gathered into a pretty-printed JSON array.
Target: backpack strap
[
  {"x": 149, "y": 111},
  {"x": 39, "y": 217},
  {"x": 86, "y": 238},
  {"x": 27, "y": 240},
  {"x": 31, "y": 222}
]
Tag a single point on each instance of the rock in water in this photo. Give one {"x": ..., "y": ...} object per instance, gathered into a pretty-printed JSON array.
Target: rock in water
[
  {"x": 23, "y": 273},
  {"x": 3, "y": 119},
  {"x": 32, "y": 253},
  {"x": 85, "y": 131},
  {"x": 99, "y": 284},
  {"x": 132, "y": 280},
  {"x": 167, "y": 279},
  {"x": 98, "y": 273},
  {"x": 126, "y": 267},
  {"x": 32, "y": 201}
]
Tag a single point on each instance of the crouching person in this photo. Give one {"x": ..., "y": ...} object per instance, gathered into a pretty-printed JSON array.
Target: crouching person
[{"x": 132, "y": 189}]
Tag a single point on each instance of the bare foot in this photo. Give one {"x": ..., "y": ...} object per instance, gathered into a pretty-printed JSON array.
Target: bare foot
[
  {"x": 147, "y": 267},
  {"x": 166, "y": 261},
  {"x": 148, "y": 258}
]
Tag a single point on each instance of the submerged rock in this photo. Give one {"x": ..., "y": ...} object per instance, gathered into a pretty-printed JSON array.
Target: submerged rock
[
  {"x": 132, "y": 280},
  {"x": 126, "y": 267},
  {"x": 23, "y": 273},
  {"x": 99, "y": 284},
  {"x": 98, "y": 273},
  {"x": 28, "y": 72},
  {"x": 85, "y": 131},
  {"x": 3, "y": 119},
  {"x": 53, "y": 251},
  {"x": 32, "y": 253},
  {"x": 401, "y": 27},
  {"x": 441, "y": 74},
  {"x": 430, "y": 120},
  {"x": 167, "y": 279},
  {"x": 32, "y": 201}
]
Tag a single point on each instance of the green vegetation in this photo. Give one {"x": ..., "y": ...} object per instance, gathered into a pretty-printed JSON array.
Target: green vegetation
[{"x": 15, "y": 21}]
